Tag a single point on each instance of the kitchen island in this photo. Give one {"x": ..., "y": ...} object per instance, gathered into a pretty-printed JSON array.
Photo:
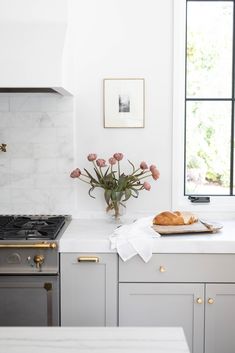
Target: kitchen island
[{"x": 96, "y": 340}]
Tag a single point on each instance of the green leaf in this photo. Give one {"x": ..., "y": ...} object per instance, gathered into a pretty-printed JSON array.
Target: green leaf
[
  {"x": 127, "y": 194},
  {"x": 91, "y": 177},
  {"x": 139, "y": 174},
  {"x": 90, "y": 191},
  {"x": 107, "y": 196},
  {"x": 116, "y": 195},
  {"x": 105, "y": 174},
  {"x": 99, "y": 177},
  {"x": 132, "y": 165},
  {"x": 136, "y": 193},
  {"x": 113, "y": 195},
  {"x": 123, "y": 182}
]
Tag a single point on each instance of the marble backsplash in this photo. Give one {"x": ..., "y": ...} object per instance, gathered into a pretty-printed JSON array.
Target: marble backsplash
[{"x": 34, "y": 172}]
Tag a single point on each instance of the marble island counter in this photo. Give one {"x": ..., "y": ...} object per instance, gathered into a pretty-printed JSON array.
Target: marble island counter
[
  {"x": 97, "y": 340},
  {"x": 84, "y": 235}
]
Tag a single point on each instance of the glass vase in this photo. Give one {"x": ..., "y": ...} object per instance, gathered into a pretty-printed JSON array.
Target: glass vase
[{"x": 116, "y": 208}]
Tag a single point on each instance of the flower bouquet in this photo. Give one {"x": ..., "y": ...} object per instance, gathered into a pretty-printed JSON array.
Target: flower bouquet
[{"x": 118, "y": 186}]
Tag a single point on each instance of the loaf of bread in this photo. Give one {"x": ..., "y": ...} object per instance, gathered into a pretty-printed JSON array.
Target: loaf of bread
[{"x": 176, "y": 218}]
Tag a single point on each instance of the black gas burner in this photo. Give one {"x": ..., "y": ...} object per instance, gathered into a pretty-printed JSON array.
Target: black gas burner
[
  {"x": 33, "y": 224},
  {"x": 23, "y": 234},
  {"x": 30, "y": 227},
  {"x": 4, "y": 220}
]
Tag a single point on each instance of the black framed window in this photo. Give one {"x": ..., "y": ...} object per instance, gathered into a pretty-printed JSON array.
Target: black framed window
[{"x": 209, "y": 98}]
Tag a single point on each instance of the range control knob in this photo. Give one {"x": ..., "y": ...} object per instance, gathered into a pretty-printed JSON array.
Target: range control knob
[{"x": 38, "y": 259}]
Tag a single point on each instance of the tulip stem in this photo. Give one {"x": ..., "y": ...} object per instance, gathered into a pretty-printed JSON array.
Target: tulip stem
[
  {"x": 85, "y": 175},
  {"x": 145, "y": 176},
  {"x": 101, "y": 172},
  {"x": 95, "y": 166},
  {"x": 136, "y": 171},
  {"x": 85, "y": 181}
]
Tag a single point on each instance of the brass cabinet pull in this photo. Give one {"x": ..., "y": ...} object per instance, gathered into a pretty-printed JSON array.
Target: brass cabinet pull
[
  {"x": 162, "y": 269},
  {"x": 88, "y": 259},
  {"x": 210, "y": 301},
  {"x": 31, "y": 246},
  {"x": 199, "y": 300}
]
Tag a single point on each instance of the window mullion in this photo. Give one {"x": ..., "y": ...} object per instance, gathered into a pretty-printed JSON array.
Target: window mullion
[{"x": 232, "y": 109}]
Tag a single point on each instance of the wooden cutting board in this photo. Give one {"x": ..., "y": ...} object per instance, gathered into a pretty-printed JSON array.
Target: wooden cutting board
[{"x": 196, "y": 228}]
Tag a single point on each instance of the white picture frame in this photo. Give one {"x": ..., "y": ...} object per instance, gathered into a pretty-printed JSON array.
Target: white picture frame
[{"x": 124, "y": 102}]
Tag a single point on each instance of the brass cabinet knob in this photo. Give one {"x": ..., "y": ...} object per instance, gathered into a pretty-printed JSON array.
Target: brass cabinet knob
[
  {"x": 38, "y": 259},
  {"x": 162, "y": 269},
  {"x": 210, "y": 301},
  {"x": 199, "y": 300}
]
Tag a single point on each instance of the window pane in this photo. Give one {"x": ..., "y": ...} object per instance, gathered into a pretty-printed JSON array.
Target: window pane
[
  {"x": 208, "y": 147},
  {"x": 209, "y": 49}
]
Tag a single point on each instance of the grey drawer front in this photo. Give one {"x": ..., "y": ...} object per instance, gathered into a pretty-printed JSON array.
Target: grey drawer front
[{"x": 179, "y": 268}]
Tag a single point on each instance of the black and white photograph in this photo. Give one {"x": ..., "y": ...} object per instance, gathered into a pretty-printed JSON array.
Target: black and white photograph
[{"x": 123, "y": 102}]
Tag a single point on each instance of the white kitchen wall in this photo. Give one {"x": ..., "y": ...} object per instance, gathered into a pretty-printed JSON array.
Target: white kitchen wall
[
  {"x": 106, "y": 38},
  {"x": 122, "y": 38},
  {"x": 34, "y": 172}
]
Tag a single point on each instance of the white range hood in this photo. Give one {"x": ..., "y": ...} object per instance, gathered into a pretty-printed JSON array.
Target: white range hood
[{"x": 32, "y": 39}]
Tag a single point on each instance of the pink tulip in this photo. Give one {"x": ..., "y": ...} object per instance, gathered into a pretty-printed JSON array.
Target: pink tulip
[
  {"x": 91, "y": 157},
  {"x": 101, "y": 163},
  {"x": 112, "y": 161},
  {"x": 155, "y": 174},
  {"x": 152, "y": 167},
  {"x": 143, "y": 165},
  {"x": 76, "y": 173},
  {"x": 146, "y": 186},
  {"x": 118, "y": 156}
]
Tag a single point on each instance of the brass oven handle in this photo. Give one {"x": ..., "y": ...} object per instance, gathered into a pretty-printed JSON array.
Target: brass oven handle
[
  {"x": 31, "y": 246},
  {"x": 88, "y": 259}
]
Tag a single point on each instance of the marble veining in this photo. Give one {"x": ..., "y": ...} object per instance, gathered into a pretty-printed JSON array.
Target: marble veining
[
  {"x": 38, "y": 130},
  {"x": 100, "y": 339}
]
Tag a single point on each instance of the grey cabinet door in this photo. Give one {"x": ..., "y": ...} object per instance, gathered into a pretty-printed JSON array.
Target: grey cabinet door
[
  {"x": 220, "y": 318},
  {"x": 89, "y": 290},
  {"x": 164, "y": 304}
]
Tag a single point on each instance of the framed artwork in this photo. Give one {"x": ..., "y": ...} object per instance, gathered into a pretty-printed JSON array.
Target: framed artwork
[{"x": 123, "y": 102}]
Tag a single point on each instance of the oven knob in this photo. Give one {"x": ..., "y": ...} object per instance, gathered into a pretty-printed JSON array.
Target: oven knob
[{"x": 38, "y": 259}]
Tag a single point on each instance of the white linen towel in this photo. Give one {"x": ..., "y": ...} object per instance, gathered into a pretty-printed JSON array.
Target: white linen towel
[{"x": 135, "y": 238}]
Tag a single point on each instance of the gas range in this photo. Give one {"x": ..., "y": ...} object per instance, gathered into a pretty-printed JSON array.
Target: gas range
[
  {"x": 29, "y": 243},
  {"x": 30, "y": 227}
]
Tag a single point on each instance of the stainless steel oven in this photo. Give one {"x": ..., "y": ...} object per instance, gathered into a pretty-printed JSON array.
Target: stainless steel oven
[
  {"x": 29, "y": 270},
  {"x": 29, "y": 300}
]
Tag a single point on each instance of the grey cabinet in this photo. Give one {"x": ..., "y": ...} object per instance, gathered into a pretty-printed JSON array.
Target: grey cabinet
[
  {"x": 164, "y": 304},
  {"x": 195, "y": 291},
  {"x": 220, "y": 318},
  {"x": 89, "y": 289}
]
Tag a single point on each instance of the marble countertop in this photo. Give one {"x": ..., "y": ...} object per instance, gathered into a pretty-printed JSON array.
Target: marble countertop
[
  {"x": 96, "y": 340},
  {"x": 83, "y": 235}
]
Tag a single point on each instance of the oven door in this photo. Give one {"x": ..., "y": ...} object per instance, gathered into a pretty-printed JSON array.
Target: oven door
[{"x": 29, "y": 300}]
